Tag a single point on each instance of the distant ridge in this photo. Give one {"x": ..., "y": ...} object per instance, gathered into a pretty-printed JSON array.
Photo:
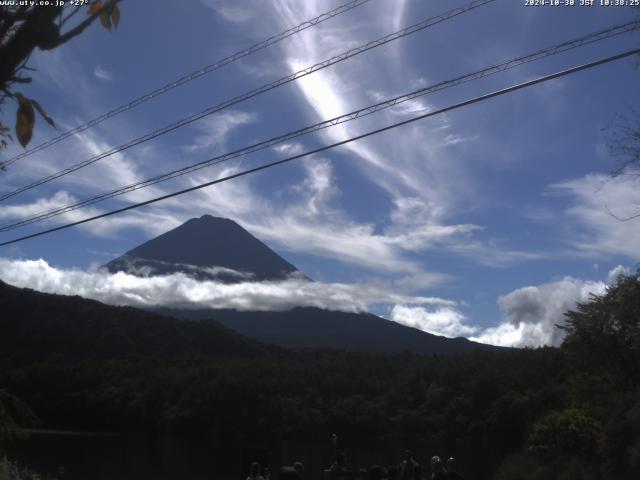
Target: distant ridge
[
  {"x": 206, "y": 248},
  {"x": 309, "y": 327},
  {"x": 218, "y": 248},
  {"x": 43, "y": 327}
]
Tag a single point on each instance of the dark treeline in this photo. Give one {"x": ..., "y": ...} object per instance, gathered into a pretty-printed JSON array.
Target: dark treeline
[
  {"x": 486, "y": 401},
  {"x": 570, "y": 412}
]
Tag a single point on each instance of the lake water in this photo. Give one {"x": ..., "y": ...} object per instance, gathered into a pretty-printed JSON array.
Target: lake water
[{"x": 165, "y": 457}]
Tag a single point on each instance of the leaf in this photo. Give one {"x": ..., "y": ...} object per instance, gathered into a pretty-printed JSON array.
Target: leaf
[
  {"x": 105, "y": 19},
  {"x": 115, "y": 15},
  {"x": 25, "y": 119},
  {"x": 95, "y": 7},
  {"x": 43, "y": 113}
]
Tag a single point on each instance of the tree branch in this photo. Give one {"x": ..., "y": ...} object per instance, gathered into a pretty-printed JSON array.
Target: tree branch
[
  {"x": 75, "y": 10},
  {"x": 621, "y": 219},
  {"x": 36, "y": 30},
  {"x": 21, "y": 79},
  {"x": 78, "y": 29}
]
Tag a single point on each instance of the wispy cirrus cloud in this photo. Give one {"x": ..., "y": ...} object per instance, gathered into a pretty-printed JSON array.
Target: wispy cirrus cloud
[
  {"x": 597, "y": 207},
  {"x": 26, "y": 209},
  {"x": 215, "y": 130},
  {"x": 102, "y": 74},
  {"x": 330, "y": 93},
  {"x": 235, "y": 12},
  {"x": 422, "y": 181}
]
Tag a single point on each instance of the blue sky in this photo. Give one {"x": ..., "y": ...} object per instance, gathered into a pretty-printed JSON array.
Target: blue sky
[{"x": 497, "y": 209}]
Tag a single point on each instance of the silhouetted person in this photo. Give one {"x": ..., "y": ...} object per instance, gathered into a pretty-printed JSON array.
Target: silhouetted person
[
  {"x": 408, "y": 467},
  {"x": 340, "y": 465},
  {"x": 438, "y": 472},
  {"x": 254, "y": 473},
  {"x": 452, "y": 470}
]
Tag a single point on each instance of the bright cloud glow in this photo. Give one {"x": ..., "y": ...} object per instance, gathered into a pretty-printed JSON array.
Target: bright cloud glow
[
  {"x": 180, "y": 290},
  {"x": 532, "y": 313},
  {"x": 445, "y": 321}
]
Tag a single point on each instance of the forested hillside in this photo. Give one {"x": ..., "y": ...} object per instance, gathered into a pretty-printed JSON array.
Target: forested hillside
[
  {"x": 512, "y": 414},
  {"x": 40, "y": 327}
]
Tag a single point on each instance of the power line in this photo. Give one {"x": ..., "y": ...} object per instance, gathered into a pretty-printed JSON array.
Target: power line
[
  {"x": 253, "y": 93},
  {"x": 189, "y": 77},
  {"x": 337, "y": 144},
  {"x": 494, "y": 69}
]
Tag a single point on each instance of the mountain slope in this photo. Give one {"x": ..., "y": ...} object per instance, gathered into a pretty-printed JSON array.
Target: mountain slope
[
  {"x": 41, "y": 327},
  {"x": 313, "y": 327},
  {"x": 207, "y": 248},
  {"x": 209, "y": 244}
]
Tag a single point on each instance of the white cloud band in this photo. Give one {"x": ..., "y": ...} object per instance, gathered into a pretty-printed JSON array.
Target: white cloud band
[{"x": 180, "y": 290}]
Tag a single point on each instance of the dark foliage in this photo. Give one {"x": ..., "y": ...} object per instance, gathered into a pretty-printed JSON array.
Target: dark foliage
[
  {"x": 603, "y": 335},
  {"x": 29, "y": 26},
  {"x": 595, "y": 432},
  {"x": 529, "y": 414},
  {"x": 14, "y": 415},
  {"x": 38, "y": 327}
]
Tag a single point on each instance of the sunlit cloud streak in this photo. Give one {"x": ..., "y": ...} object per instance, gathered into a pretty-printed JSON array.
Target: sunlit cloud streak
[{"x": 179, "y": 290}]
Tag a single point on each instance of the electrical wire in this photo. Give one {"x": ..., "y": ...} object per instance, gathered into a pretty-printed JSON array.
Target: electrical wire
[
  {"x": 492, "y": 70},
  {"x": 334, "y": 145},
  {"x": 253, "y": 93},
  {"x": 187, "y": 78}
]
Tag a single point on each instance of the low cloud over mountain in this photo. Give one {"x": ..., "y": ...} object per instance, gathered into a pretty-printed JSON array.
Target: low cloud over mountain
[
  {"x": 211, "y": 265},
  {"x": 183, "y": 291}
]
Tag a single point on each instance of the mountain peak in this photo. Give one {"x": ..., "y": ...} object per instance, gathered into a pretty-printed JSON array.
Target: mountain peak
[
  {"x": 207, "y": 247},
  {"x": 210, "y": 218}
]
